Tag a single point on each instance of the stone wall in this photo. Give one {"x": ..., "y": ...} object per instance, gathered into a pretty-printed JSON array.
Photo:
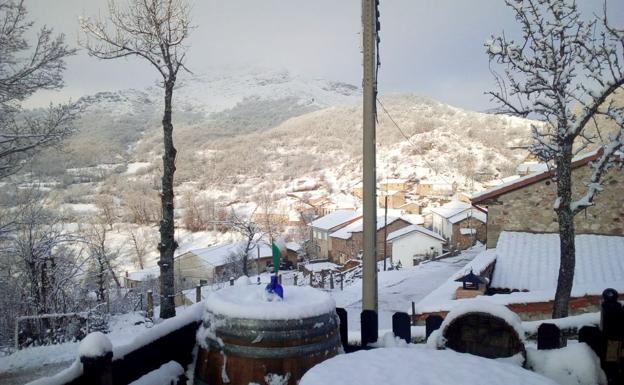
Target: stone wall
[
  {"x": 462, "y": 242},
  {"x": 530, "y": 208}
]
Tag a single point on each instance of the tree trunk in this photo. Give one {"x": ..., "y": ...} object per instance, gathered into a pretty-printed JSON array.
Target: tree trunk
[
  {"x": 246, "y": 255},
  {"x": 566, "y": 233},
  {"x": 167, "y": 244}
]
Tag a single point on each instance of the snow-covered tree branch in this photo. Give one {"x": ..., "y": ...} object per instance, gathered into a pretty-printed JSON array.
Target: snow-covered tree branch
[
  {"x": 564, "y": 71},
  {"x": 24, "y": 70}
]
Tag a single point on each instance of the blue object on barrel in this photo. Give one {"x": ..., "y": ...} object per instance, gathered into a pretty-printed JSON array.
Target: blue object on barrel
[{"x": 274, "y": 287}]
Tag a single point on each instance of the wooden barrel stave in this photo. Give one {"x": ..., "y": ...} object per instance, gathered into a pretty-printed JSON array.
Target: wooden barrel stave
[{"x": 251, "y": 349}]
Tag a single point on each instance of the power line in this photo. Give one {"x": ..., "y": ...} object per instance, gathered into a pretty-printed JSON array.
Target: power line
[{"x": 408, "y": 138}]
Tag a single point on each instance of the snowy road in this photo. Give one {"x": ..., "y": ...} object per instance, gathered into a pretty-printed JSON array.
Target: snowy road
[{"x": 397, "y": 289}]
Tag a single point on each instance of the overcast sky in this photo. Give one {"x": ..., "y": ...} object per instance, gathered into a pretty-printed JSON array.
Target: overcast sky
[{"x": 429, "y": 47}]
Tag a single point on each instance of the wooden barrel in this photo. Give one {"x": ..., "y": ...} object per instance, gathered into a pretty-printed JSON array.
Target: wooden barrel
[{"x": 239, "y": 351}]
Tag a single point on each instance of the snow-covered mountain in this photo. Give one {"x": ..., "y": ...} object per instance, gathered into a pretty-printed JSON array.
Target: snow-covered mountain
[
  {"x": 241, "y": 136},
  {"x": 208, "y": 94}
]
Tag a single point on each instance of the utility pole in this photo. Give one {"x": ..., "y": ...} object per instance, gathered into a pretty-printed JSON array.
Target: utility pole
[
  {"x": 369, "y": 83},
  {"x": 385, "y": 227}
]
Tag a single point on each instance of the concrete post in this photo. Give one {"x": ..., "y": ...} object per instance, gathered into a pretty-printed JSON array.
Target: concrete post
[{"x": 369, "y": 36}]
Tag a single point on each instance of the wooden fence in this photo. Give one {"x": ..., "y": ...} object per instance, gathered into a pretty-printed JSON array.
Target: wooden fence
[
  {"x": 606, "y": 340},
  {"x": 171, "y": 340}
]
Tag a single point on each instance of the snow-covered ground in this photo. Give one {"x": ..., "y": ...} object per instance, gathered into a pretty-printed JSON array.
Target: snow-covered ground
[
  {"x": 32, "y": 363},
  {"x": 399, "y": 288}
]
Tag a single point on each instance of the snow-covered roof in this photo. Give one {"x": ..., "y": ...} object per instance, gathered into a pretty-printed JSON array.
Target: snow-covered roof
[
  {"x": 413, "y": 229},
  {"x": 499, "y": 181},
  {"x": 335, "y": 219},
  {"x": 217, "y": 255},
  {"x": 145, "y": 274},
  {"x": 531, "y": 167},
  {"x": 577, "y": 161},
  {"x": 220, "y": 255},
  {"x": 415, "y": 219},
  {"x": 294, "y": 246},
  {"x": 467, "y": 231},
  {"x": 358, "y": 226},
  {"x": 451, "y": 208},
  {"x": 527, "y": 261},
  {"x": 471, "y": 213}
]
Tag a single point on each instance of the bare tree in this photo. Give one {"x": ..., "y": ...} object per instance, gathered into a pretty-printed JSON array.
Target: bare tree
[
  {"x": 102, "y": 257},
  {"x": 251, "y": 233},
  {"x": 155, "y": 31},
  {"x": 140, "y": 240},
  {"x": 24, "y": 70},
  {"x": 564, "y": 72},
  {"x": 270, "y": 219},
  {"x": 199, "y": 211},
  {"x": 107, "y": 209},
  {"x": 38, "y": 252}
]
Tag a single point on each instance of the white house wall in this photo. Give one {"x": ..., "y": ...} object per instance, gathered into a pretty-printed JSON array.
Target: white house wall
[
  {"x": 405, "y": 248},
  {"x": 190, "y": 269}
]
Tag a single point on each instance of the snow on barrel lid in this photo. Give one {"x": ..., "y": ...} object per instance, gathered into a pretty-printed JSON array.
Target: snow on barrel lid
[
  {"x": 418, "y": 366},
  {"x": 251, "y": 301}
]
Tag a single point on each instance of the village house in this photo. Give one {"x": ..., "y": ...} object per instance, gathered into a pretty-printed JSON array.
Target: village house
[
  {"x": 521, "y": 273},
  {"x": 294, "y": 252},
  {"x": 427, "y": 188},
  {"x": 459, "y": 223},
  {"x": 347, "y": 242},
  {"x": 142, "y": 277},
  {"x": 358, "y": 190},
  {"x": 409, "y": 208},
  {"x": 321, "y": 228},
  {"x": 394, "y": 184},
  {"x": 395, "y": 198},
  {"x": 212, "y": 264},
  {"x": 412, "y": 244},
  {"x": 526, "y": 204}
]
